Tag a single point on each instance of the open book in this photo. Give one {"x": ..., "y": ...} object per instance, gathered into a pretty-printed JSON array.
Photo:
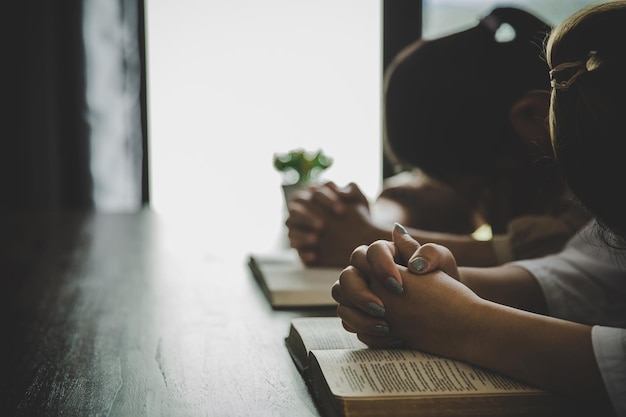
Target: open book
[
  {"x": 348, "y": 379},
  {"x": 287, "y": 282}
]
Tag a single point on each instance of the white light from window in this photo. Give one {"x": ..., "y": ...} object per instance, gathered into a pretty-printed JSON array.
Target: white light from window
[{"x": 230, "y": 83}]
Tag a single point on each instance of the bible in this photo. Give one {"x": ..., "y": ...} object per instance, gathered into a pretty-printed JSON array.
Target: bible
[
  {"x": 287, "y": 282},
  {"x": 346, "y": 378}
]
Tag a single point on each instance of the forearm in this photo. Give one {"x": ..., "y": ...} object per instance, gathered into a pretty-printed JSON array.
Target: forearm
[
  {"x": 508, "y": 285},
  {"x": 467, "y": 250},
  {"x": 543, "y": 351}
]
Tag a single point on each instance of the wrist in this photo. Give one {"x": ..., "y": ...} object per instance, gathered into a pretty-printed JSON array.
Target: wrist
[
  {"x": 476, "y": 332},
  {"x": 502, "y": 249}
]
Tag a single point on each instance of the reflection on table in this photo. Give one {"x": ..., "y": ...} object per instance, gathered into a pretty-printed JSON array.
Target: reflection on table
[{"x": 120, "y": 315}]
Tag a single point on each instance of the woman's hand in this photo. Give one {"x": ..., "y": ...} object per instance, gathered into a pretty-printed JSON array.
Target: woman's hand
[
  {"x": 326, "y": 223},
  {"x": 307, "y": 212},
  {"x": 383, "y": 257},
  {"x": 423, "y": 306}
]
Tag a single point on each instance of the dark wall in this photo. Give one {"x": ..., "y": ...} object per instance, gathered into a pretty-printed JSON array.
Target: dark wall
[
  {"x": 44, "y": 147},
  {"x": 44, "y": 143},
  {"x": 402, "y": 24}
]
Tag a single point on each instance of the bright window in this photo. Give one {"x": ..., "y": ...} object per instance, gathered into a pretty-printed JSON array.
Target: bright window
[{"x": 232, "y": 82}]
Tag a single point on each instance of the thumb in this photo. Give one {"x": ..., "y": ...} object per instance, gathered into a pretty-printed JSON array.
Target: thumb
[
  {"x": 405, "y": 244},
  {"x": 352, "y": 193},
  {"x": 421, "y": 259},
  {"x": 431, "y": 256}
]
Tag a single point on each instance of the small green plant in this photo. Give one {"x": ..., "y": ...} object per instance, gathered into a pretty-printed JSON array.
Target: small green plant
[{"x": 301, "y": 167}]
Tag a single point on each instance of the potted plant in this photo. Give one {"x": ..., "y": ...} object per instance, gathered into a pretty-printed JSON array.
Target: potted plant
[{"x": 300, "y": 168}]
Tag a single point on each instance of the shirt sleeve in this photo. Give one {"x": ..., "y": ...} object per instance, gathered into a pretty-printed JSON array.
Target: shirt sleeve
[
  {"x": 609, "y": 346},
  {"x": 585, "y": 282}
]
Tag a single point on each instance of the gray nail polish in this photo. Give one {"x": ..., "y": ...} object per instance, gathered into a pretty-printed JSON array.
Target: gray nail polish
[
  {"x": 419, "y": 263},
  {"x": 394, "y": 285},
  {"x": 376, "y": 310},
  {"x": 401, "y": 229},
  {"x": 381, "y": 329}
]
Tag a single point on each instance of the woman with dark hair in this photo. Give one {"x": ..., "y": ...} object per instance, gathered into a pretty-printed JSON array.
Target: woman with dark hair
[
  {"x": 557, "y": 322},
  {"x": 464, "y": 119}
]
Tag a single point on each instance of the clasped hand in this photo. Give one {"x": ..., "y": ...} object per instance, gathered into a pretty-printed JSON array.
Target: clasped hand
[
  {"x": 326, "y": 223},
  {"x": 400, "y": 293}
]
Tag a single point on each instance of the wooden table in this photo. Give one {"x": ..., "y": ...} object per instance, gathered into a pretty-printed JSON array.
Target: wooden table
[{"x": 119, "y": 315}]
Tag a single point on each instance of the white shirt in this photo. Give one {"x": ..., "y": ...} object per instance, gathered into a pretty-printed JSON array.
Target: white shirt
[{"x": 586, "y": 283}]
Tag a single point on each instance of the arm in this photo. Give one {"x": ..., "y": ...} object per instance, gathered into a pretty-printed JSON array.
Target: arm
[
  {"x": 433, "y": 212},
  {"x": 508, "y": 285},
  {"x": 426, "y": 204},
  {"x": 439, "y": 314},
  {"x": 326, "y": 223},
  {"x": 467, "y": 250}
]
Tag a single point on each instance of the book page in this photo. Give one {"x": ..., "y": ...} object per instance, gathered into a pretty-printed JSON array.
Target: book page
[
  {"x": 398, "y": 372},
  {"x": 325, "y": 333}
]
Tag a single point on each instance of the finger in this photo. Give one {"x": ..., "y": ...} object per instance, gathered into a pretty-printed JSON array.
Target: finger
[
  {"x": 347, "y": 327},
  {"x": 301, "y": 216},
  {"x": 404, "y": 242},
  {"x": 300, "y": 239},
  {"x": 302, "y": 192},
  {"x": 352, "y": 290},
  {"x": 301, "y": 195},
  {"x": 380, "y": 342},
  {"x": 354, "y": 193},
  {"x": 308, "y": 256},
  {"x": 358, "y": 259},
  {"x": 332, "y": 186},
  {"x": 375, "y": 341},
  {"x": 381, "y": 265},
  {"x": 362, "y": 323},
  {"x": 328, "y": 199},
  {"x": 431, "y": 256},
  {"x": 351, "y": 193}
]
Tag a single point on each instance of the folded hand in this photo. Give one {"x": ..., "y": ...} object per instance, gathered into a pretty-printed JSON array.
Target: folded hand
[{"x": 402, "y": 293}]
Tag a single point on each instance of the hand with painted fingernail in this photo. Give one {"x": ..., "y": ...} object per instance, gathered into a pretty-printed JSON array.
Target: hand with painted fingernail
[
  {"x": 308, "y": 213},
  {"x": 379, "y": 260},
  {"x": 424, "y": 258},
  {"x": 425, "y": 308},
  {"x": 326, "y": 223},
  {"x": 433, "y": 306},
  {"x": 362, "y": 312}
]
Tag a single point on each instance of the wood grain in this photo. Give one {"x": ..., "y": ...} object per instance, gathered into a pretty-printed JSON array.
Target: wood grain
[{"x": 117, "y": 315}]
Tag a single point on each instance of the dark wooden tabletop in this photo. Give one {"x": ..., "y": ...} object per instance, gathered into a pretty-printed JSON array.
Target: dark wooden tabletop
[{"x": 119, "y": 315}]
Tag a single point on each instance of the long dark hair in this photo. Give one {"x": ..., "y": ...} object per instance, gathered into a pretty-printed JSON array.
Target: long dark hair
[{"x": 587, "y": 54}]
